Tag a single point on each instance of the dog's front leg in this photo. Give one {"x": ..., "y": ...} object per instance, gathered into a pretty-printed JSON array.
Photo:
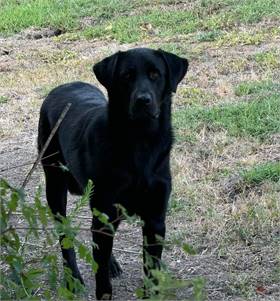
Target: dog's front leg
[
  {"x": 154, "y": 226},
  {"x": 103, "y": 237},
  {"x": 153, "y": 236}
]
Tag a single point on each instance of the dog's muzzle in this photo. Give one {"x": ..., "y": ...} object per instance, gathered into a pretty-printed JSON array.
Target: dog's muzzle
[{"x": 143, "y": 106}]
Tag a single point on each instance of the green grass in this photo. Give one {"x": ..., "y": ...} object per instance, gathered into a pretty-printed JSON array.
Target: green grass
[
  {"x": 233, "y": 38},
  {"x": 151, "y": 23},
  {"x": 268, "y": 59},
  {"x": 254, "y": 87},
  {"x": 193, "y": 96},
  {"x": 207, "y": 36},
  {"x": 130, "y": 21},
  {"x": 245, "y": 12},
  {"x": 18, "y": 15},
  {"x": 253, "y": 11},
  {"x": 15, "y": 17},
  {"x": 3, "y": 99},
  {"x": 260, "y": 173},
  {"x": 257, "y": 118},
  {"x": 164, "y": 23}
]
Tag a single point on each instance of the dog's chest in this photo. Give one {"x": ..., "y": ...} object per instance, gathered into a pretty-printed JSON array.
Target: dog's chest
[{"x": 143, "y": 158}]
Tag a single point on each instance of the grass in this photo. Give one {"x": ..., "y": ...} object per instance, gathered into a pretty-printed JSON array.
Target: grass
[
  {"x": 192, "y": 96},
  {"x": 3, "y": 99},
  {"x": 207, "y": 36},
  {"x": 245, "y": 12},
  {"x": 241, "y": 38},
  {"x": 256, "y": 87},
  {"x": 252, "y": 11},
  {"x": 258, "y": 118},
  {"x": 234, "y": 65},
  {"x": 268, "y": 59},
  {"x": 66, "y": 15},
  {"x": 264, "y": 172},
  {"x": 17, "y": 16},
  {"x": 151, "y": 23},
  {"x": 163, "y": 23},
  {"x": 136, "y": 20}
]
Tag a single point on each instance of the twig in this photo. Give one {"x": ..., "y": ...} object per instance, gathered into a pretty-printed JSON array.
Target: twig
[
  {"x": 6, "y": 230},
  {"x": 76, "y": 216},
  {"x": 34, "y": 245},
  {"x": 40, "y": 156},
  {"x": 26, "y": 163},
  {"x": 101, "y": 232},
  {"x": 127, "y": 251},
  {"x": 40, "y": 246}
]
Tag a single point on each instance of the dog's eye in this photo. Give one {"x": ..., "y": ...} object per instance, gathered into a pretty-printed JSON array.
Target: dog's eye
[
  {"x": 154, "y": 75},
  {"x": 127, "y": 75}
]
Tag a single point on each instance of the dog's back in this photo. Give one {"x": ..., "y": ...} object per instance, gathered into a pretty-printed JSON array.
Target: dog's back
[
  {"x": 88, "y": 106},
  {"x": 82, "y": 96}
]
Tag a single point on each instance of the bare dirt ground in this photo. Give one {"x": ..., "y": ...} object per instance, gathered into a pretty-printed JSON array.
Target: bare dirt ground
[{"x": 203, "y": 214}]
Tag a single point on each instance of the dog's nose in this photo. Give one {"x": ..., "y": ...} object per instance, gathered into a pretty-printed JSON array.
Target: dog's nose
[{"x": 144, "y": 99}]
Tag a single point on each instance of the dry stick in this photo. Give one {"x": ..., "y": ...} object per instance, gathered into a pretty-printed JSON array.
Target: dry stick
[
  {"x": 27, "y": 163},
  {"x": 40, "y": 156},
  {"x": 127, "y": 251}
]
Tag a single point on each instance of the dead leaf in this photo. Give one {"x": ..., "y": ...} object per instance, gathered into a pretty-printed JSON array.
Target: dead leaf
[{"x": 261, "y": 290}]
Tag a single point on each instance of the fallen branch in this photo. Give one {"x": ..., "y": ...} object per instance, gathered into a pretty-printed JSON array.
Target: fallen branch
[{"x": 41, "y": 154}]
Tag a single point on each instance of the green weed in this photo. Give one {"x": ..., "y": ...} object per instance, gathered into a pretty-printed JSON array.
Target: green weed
[{"x": 25, "y": 271}]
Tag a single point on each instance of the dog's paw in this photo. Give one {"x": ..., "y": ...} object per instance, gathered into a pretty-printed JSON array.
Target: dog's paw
[{"x": 106, "y": 297}]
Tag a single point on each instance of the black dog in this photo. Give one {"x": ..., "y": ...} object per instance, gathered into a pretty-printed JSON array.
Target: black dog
[{"x": 122, "y": 145}]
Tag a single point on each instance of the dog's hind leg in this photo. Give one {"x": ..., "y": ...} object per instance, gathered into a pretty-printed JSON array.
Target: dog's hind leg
[
  {"x": 56, "y": 191},
  {"x": 56, "y": 187},
  {"x": 103, "y": 237}
]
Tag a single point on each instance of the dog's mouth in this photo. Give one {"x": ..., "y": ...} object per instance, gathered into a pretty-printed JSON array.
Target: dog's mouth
[
  {"x": 152, "y": 115},
  {"x": 144, "y": 115}
]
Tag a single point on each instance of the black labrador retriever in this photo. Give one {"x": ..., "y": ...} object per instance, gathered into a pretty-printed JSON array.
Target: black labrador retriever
[{"x": 122, "y": 145}]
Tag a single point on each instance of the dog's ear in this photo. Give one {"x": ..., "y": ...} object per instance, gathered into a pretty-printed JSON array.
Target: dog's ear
[
  {"x": 177, "y": 68},
  {"x": 104, "y": 70}
]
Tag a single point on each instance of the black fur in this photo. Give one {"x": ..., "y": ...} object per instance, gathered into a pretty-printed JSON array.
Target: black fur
[{"x": 122, "y": 145}]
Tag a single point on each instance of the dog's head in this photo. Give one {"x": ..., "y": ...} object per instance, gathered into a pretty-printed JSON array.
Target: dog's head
[{"x": 139, "y": 80}]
